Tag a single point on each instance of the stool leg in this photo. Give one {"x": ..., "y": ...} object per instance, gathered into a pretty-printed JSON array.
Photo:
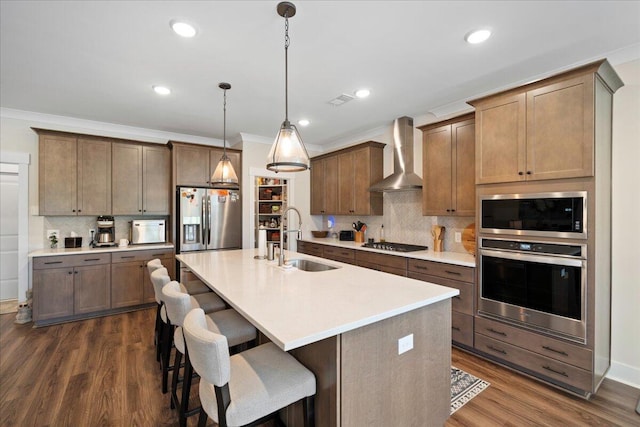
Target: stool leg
[
  {"x": 166, "y": 355},
  {"x": 202, "y": 419},
  {"x": 176, "y": 379},
  {"x": 308, "y": 406},
  {"x": 158, "y": 333},
  {"x": 187, "y": 375}
]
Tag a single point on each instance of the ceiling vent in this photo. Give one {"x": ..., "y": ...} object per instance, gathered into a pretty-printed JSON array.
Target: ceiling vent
[{"x": 342, "y": 99}]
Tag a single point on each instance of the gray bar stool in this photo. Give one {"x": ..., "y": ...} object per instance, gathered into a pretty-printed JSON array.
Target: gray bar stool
[
  {"x": 247, "y": 388},
  {"x": 228, "y": 322}
]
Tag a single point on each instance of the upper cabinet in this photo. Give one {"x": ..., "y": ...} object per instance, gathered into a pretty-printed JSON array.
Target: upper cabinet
[
  {"x": 74, "y": 174},
  {"x": 141, "y": 179},
  {"x": 340, "y": 181},
  {"x": 194, "y": 164},
  {"x": 448, "y": 167},
  {"x": 544, "y": 130}
]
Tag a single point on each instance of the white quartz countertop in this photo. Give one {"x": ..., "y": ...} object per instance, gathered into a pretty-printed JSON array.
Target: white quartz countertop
[
  {"x": 88, "y": 250},
  {"x": 295, "y": 308},
  {"x": 457, "y": 258}
]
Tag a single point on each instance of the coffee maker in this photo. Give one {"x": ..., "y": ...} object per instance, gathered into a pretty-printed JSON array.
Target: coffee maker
[{"x": 106, "y": 234}]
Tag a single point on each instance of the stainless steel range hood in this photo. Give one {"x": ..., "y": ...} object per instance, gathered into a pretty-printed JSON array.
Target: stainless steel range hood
[{"x": 403, "y": 178}]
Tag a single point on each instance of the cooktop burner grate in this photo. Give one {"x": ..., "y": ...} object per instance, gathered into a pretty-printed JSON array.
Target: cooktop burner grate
[{"x": 395, "y": 247}]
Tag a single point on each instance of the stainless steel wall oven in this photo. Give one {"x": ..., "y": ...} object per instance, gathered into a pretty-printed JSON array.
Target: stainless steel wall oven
[{"x": 539, "y": 285}]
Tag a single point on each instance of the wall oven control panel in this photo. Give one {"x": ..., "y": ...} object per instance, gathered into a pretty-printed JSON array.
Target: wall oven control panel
[{"x": 537, "y": 247}]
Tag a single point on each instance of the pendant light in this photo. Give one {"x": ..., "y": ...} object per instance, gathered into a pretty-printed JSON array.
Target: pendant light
[
  {"x": 224, "y": 176},
  {"x": 288, "y": 153}
]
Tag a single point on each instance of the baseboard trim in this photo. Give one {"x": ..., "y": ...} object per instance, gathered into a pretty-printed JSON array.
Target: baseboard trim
[
  {"x": 9, "y": 306},
  {"x": 626, "y": 374}
]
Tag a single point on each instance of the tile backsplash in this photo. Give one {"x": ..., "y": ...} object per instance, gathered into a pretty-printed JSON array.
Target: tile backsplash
[
  {"x": 403, "y": 222},
  {"x": 81, "y": 226}
]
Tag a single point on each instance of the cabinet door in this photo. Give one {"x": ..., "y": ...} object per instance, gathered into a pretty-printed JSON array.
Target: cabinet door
[
  {"x": 156, "y": 180},
  {"x": 464, "y": 161},
  {"x": 126, "y": 182},
  {"x": 192, "y": 165},
  {"x": 437, "y": 171},
  {"x": 57, "y": 156},
  {"x": 560, "y": 130},
  {"x": 317, "y": 187},
  {"x": 126, "y": 284},
  {"x": 52, "y": 293},
  {"x": 94, "y": 177},
  {"x": 362, "y": 181},
  {"x": 346, "y": 177},
  {"x": 331, "y": 188},
  {"x": 500, "y": 139},
  {"x": 92, "y": 288}
]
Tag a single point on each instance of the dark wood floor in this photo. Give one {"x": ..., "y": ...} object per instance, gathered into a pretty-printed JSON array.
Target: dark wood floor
[{"x": 103, "y": 372}]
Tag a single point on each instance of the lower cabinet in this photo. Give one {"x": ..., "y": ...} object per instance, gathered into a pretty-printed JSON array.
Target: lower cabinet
[
  {"x": 380, "y": 262},
  {"x": 69, "y": 287}
]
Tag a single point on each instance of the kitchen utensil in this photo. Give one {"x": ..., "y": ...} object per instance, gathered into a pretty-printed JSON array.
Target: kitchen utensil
[{"x": 469, "y": 238}]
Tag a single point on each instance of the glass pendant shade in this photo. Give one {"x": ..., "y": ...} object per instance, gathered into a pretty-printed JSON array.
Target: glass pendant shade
[
  {"x": 288, "y": 153},
  {"x": 224, "y": 175}
]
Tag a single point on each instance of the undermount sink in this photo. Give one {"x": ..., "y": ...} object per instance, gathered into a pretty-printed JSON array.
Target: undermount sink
[{"x": 308, "y": 265}]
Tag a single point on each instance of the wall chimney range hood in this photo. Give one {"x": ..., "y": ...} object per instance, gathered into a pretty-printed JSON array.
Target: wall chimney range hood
[{"x": 403, "y": 178}]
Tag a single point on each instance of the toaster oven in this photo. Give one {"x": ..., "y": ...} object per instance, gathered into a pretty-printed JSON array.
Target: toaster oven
[{"x": 144, "y": 231}]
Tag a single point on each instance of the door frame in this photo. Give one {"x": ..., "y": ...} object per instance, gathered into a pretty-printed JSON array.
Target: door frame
[{"x": 22, "y": 160}]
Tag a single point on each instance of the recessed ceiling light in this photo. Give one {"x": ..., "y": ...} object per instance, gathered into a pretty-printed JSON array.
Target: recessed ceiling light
[
  {"x": 183, "y": 29},
  {"x": 362, "y": 93},
  {"x": 477, "y": 36},
  {"x": 303, "y": 122},
  {"x": 161, "y": 90}
]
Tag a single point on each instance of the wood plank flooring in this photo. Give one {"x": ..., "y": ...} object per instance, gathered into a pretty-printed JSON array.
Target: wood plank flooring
[{"x": 103, "y": 372}]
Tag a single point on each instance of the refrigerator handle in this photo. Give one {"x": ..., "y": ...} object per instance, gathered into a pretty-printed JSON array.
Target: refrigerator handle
[
  {"x": 208, "y": 221},
  {"x": 203, "y": 219}
]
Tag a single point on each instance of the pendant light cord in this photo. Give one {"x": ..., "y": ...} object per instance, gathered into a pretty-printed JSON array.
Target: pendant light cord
[
  {"x": 224, "y": 125},
  {"x": 286, "y": 66}
]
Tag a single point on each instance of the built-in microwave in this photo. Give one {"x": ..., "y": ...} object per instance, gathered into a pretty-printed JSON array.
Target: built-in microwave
[{"x": 557, "y": 214}]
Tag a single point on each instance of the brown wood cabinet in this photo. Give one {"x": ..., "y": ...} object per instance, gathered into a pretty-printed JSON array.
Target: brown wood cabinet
[
  {"x": 74, "y": 174},
  {"x": 382, "y": 262},
  {"x": 544, "y": 130},
  {"x": 310, "y": 248},
  {"x": 350, "y": 171},
  {"x": 448, "y": 167},
  {"x": 194, "y": 164},
  {"x": 324, "y": 185},
  {"x": 64, "y": 286},
  {"x": 141, "y": 177}
]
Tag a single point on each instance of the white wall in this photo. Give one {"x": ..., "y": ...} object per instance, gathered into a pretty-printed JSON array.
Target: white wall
[{"x": 16, "y": 135}]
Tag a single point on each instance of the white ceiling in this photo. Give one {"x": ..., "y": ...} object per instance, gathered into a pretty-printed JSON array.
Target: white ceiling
[{"x": 97, "y": 60}]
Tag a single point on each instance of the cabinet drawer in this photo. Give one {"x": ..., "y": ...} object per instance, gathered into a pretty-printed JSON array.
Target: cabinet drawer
[
  {"x": 463, "y": 302},
  {"x": 384, "y": 268},
  {"x": 128, "y": 256},
  {"x": 462, "y": 328},
  {"x": 63, "y": 261},
  {"x": 392, "y": 261},
  {"x": 440, "y": 269},
  {"x": 540, "y": 365},
  {"x": 550, "y": 347},
  {"x": 310, "y": 248},
  {"x": 339, "y": 254}
]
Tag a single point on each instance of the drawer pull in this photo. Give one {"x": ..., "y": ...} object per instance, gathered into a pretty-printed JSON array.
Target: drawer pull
[
  {"x": 457, "y": 297},
  {"x": 496, "y": 332},
  {"x": 455, "y": 328},
  {"x": 92, "y": 259},
  {"x": 564, "y": 353},
  {"x": 564, "y": 374},
  {"x": 157, "y": 254},
  {"x": 53, "y": 262},
  {"x": 455, "y": 273},
  {"x": 490, "y": 347},
  {"x": 131, "y": 256},
  {"x": 421, "y": 267}
]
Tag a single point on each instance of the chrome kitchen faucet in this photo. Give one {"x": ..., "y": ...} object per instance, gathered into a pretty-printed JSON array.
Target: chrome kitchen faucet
[{"x": 281, "y": 261}]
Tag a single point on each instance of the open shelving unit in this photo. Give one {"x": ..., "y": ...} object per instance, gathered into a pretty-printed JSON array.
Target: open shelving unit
[{"x": 271, "y": 201}]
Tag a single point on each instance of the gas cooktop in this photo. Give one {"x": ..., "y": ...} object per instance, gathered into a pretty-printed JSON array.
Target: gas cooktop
[{"x": 395, "y": 247}]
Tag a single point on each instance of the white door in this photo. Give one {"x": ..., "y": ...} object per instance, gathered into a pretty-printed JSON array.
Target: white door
[{"x": 8, "y": 232}]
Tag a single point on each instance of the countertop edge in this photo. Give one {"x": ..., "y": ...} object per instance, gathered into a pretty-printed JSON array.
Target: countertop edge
[
  {"x": 455, "y": 258},
  {"x": 87, "y": 250}
]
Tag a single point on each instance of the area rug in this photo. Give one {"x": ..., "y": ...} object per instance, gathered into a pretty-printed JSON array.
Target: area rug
[{"x": 464, "y": 387}]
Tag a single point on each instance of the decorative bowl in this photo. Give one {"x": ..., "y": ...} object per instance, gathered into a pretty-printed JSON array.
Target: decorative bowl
[{"x": 320, "y": 233}]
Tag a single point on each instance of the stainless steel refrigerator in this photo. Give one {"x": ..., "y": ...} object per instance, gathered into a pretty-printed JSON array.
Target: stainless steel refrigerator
[{"x": 208, "y": 219}]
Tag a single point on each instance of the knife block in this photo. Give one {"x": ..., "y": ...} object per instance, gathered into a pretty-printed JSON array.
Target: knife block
[{"x": 359, "y": 236}]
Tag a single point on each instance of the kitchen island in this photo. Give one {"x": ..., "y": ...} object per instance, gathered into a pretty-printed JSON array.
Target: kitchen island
[{"x": 378, "y": 344}]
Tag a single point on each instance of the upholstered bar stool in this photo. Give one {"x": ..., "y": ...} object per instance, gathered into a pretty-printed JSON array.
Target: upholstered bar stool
[
  {"x": 247, "y": 388},
  {"x": 225, "y": 322},
  {"x": 209, "y": 302}
]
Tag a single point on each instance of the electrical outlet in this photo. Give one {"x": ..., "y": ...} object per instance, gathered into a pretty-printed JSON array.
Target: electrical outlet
[
  {"x": 458, "y": 237},
  {"x": 405, "y": 344},
  {"x": 51, "y": 232}
]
